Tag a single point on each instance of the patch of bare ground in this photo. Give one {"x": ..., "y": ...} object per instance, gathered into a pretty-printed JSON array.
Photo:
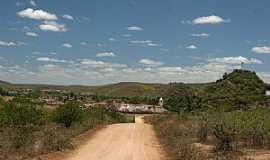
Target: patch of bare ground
[
  {"x": 247, "y": 154},
  {"x": 259, "y": 154}
]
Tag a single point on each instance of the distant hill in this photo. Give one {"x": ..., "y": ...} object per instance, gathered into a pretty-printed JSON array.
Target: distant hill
[
  {"x": 4, "y": 83},
  {"x": 239, "y": 82},
  {"x": 119, "y": 89},
  {"x": 132, "y": 89}
]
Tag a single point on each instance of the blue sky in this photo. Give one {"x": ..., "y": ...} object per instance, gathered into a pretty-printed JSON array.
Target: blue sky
[{"x": 107, "y": 41}]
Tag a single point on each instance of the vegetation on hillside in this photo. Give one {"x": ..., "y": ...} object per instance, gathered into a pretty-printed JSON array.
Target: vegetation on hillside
[{"x": 215, "y": 120}]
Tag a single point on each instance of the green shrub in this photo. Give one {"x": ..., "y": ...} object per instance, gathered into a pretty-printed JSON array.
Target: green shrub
[
  {"x": 68, "y": 113},
  {"x": 17, "y": 113}
]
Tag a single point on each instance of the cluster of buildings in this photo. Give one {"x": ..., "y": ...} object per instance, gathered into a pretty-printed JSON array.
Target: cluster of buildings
[{"x": 114, "y": 104}]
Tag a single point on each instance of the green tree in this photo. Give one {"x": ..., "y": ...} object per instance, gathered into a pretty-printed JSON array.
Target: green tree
[
  {"x": 181, "y": 98},
  {"x": 68, "y": 113}
]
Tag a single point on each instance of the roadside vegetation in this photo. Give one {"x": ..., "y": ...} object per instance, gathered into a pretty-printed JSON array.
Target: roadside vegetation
[
  {"x": 221, "y": 120},
  {"x": 27, "y": 129}
]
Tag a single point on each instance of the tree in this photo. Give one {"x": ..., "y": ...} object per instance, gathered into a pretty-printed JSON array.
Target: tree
[
  {"x": 181, "y": 98},
  {"x": 68, "y": 113}
]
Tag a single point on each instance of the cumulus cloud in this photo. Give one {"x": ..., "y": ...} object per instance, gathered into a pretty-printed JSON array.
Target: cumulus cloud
[
  {"x": 202, "y": 35},
  {"x": 8, "y": 44},
  {"x": 52, "y": 26},
  {"x": 213, "y": 19},
  {"x": 263, "y": 50},
  {"x": 47, "y": 59},
  {"x": 235, "y": 60},
  {"x": 150, "y": 63},
  {"x": 134, "y": 28},
  {"x": 67, "y": 45},
  {"x": 37, "y": 14},
  {"x": 191, "y": 47},
  {"x": 69, "y": 17},
  {"x": 105, "y": 54},
  {"x": 31, "y": 34}
]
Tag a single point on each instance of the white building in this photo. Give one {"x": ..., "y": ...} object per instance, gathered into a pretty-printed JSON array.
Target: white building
[
  {"x": 267, "y": 93},
  {"x": 160, "y": 102}
]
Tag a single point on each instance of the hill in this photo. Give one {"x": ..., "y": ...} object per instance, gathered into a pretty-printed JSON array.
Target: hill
[
  {"x": 4, "y": 83},
  {"x": 239, "y": 82},
  {"x": 239, "y": 88}
]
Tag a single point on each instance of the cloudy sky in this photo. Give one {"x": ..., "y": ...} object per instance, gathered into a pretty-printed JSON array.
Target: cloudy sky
[{"x": 108, "y": 41}]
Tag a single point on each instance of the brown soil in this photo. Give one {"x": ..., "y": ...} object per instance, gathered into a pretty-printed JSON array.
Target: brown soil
[{"x": 130, "y": 141}]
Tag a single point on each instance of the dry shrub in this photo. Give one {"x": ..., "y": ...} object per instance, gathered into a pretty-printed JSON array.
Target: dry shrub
[{"x": 224, "y": 138}]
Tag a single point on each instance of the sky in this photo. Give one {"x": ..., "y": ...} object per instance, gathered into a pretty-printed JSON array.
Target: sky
[{"x": 154, "y": 41}]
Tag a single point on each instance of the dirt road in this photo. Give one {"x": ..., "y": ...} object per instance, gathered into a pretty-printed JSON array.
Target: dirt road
[{"x": 132, "y": 141}]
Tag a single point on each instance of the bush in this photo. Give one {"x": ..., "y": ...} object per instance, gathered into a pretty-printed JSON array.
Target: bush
[
  {"x": 68, "y": 113},
  {"x": 224, "y": 138},
  {"x": 203, "y": 132},
  {"x": 16, "y": 113}
]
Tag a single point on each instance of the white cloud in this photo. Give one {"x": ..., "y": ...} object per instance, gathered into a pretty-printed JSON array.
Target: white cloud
[
  {"x": 52, "y": 26},
  {"x": 170, "y": 69},
  {"x": 213, "y": 19},
  {"x": 92, "y": 72},
  {"x": 101, "y": 64},
  {"x": 192, "y": 47},
  {"x": 33, "y": 3},
  {"x": 47, "y": 59},
  {"x": 140, "y": 42},
  {"x": 265, "y": 76},
  {"x": 32, "y": 34},
  {"x": 151, "y": 63},
  {"x": 134, "y": 28},
  {"x": 36, "y": 14},
  {"x": 7, "y": 44},
  {"x": 127, "y": 35},
  {"x": 154, "y": 45},
  {"x": 67, "y": 45},
  {"x": 105, "y": 54},
  {"x": 52, "y": 53},
  {"x": 83, "y": 43},
  {"x": 69, "y": 17},
  {"x": 145, "y": 43},
  {"x": 112, "y": 39},
  {"x": 235, "y": 60},
  {"x": 203, "y": 35},
  {"x": 263, "y": 49}
]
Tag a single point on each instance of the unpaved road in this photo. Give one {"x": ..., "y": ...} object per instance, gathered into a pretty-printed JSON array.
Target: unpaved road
[{"x": 131, "y": 141}]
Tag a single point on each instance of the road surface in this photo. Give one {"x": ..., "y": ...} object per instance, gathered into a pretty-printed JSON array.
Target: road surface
[{"x": 131, "y": 141}]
